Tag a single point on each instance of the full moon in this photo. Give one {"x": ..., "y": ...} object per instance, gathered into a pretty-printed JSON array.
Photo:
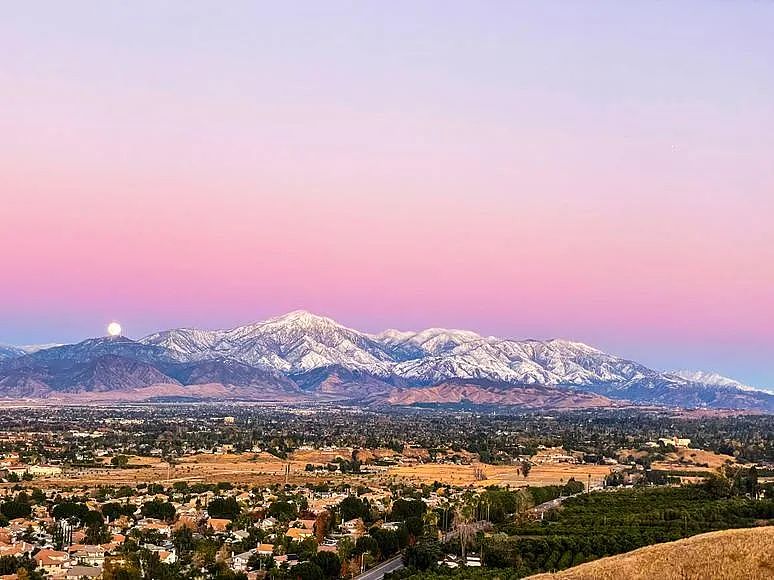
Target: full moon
[{"x": 114, "y": 329}]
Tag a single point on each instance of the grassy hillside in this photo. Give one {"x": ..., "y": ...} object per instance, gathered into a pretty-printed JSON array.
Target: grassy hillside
[{"x": 728, "y": 554}]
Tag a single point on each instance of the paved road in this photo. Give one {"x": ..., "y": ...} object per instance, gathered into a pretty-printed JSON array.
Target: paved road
[
  {"x": 554, "y": 503},
  {"x": 378, "y": 572},
  {"x": 549, "y": 505}
]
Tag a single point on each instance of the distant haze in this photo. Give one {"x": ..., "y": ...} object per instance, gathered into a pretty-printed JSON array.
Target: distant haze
[{"x": 597, "y": 171}]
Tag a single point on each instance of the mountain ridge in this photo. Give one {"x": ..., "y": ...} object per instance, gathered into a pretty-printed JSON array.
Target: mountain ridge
[{"x": 303, "y": 355}]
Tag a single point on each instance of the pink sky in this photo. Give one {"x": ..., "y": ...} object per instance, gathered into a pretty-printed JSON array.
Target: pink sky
[{"x": 506, "y": 170}]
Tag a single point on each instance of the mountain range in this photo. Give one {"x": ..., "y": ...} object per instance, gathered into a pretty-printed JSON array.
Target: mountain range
[{"x": 302, "y": 356}]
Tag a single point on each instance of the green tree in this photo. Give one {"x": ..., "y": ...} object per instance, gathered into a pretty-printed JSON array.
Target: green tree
[
  {"x": 159, "y": 509},
  {"x": 97, "y": 533},
  {"x": 414, "y": 526},
  {"x": 306, "y": 571},
  {"x": 387, "y": 540},
  {"x": 423, "y": 555},
  {"x": 352, "y": 507},
  {"x": 365, "y": 544},
  {"x": 227, "y": 508},
  {"x": 182, "y": 539},
  {"x": 718, "y": 486},
  {"x": 70, "y": 509},
  {"x": 329, "y": 563},
  {"x": 15, "y": 509},
  {"x": 283, "y": 510},
  {"x": 402, "y": 509},
  {"x": 344, "y": 548}
]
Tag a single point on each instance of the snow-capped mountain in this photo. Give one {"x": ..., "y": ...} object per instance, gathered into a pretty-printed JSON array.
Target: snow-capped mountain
[
  {"x": 93, "y": 348},
  {"x": 304, "y": 355},
  {"x": 120, "y": 365},
  {"x": 713, "y": 379},
  {"x": 8, "y": 351},
  {"x": 294, "y": 343},
  {"x": 300, "y": 342}
]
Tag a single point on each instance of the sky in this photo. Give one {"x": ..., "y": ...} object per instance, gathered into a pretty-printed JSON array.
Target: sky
[{"x": 598, "y": 171}]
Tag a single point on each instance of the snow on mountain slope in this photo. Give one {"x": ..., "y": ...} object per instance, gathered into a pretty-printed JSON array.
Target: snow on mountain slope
[
  {"x": 186, "y": 344},
  {"x": 294, "y": 343},
  {"x": 301, "y": 354},
  {"x": 433, "y": 341},
  {"x": 713, "y": 379},
  {"x": 91, "y": 348},
  {"x": 300, "y": 342},
  {"x": 33, "y": 348},
  {"x": 8, "y": 351},
  {"x": 436, "y": 354}
]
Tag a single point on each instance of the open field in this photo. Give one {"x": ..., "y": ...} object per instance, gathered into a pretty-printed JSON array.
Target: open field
[
  {"x": 253, "y": 468},
  {"x": 318, "y": 456},
  {"x": 725, "y": 555},
  {"x": 683, "y": 459},
  {"x": 263, "y": 468},
  {"x": 688, "y": 459},
  {"x": 546, "y": 474}
]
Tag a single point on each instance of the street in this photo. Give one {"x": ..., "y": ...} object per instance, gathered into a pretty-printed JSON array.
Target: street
[{"x": 378, "y": 572}]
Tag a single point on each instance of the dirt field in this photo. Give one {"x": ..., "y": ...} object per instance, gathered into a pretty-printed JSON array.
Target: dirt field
[
  {"x": 546, "y": 474},
  {"x": 319, "y": 455},
  {"x": 248, "y": 468},
  {"x": 262, "y": 469}
]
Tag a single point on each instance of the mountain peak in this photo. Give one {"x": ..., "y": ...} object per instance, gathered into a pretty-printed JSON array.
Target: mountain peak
[
  {"x": 712, "y": 378},
  {"x": 7, "y": 351},
  {"x": 302, "y": 317},
  {"x": 278, "y": 351}
]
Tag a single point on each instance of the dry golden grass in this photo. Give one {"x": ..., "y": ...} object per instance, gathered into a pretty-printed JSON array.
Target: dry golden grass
[
  {"x": 684, "y": 459},
  {"x": 546, "y": 474},
  {"x": 247, "y": 468},
  {"x": 693, "y": 459},
  {"x": 728, "y": 555},
  {"x": 205, "y": 467},
  {"x": 262, "y": 468},
  {"x": 319, "y": 455}
]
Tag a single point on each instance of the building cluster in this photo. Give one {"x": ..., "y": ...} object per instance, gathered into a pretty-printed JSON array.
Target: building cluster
[{"x": 260, "y": 533}]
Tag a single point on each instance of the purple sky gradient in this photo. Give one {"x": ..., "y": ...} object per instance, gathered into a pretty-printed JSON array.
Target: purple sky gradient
[{"x": 596, "y": 171}]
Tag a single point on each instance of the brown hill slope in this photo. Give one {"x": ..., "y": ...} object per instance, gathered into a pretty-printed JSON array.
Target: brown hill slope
[
  {"x": 486, "y": 393},
  {"x": 726, "y": 555}
]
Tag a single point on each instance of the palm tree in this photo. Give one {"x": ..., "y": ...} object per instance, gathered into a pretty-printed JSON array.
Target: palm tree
[
  {"x": 430, "y": 523},
  {"x": 464, "y": 527}
]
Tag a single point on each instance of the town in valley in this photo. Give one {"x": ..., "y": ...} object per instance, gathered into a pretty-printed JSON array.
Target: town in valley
[{"x": 327, "y": 491}]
